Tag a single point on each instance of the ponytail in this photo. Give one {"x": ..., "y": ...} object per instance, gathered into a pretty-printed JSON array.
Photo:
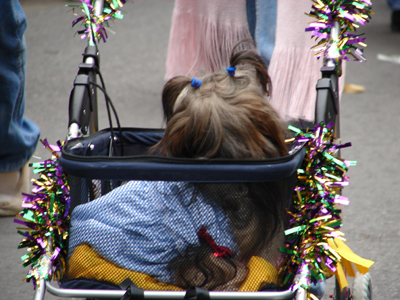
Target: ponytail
[
  {"x": 251, "y": 58},
  {"x": 172, "y": 89}
]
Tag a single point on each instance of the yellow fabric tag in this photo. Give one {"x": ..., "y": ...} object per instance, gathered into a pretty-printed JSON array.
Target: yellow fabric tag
[
  {"x": 346, "y": 253},
  {"x": 349, "y": 268},
  {"x": 348, "y": 257},
  {"x": 86, "y": 263},
  {"x": 341, "y": 277}
]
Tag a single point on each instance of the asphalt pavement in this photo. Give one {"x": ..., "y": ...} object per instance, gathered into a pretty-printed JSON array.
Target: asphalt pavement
[{"x": 133, "y": 66}]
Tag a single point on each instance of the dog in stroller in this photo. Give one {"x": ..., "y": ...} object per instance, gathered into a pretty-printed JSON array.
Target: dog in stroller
[
  {"x": 200, "y": 206},
  {"x": 211, "y": 215},
  {"x": 202, "y": 234}
]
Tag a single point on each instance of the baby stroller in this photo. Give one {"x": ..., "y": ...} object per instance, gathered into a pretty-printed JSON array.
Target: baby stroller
[{"x": 99, "y": 163}]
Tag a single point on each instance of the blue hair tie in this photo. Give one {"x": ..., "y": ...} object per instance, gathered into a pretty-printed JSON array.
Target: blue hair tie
[
  {"x": 196, "y": 82},
  {"x": 231, "y": 70}
]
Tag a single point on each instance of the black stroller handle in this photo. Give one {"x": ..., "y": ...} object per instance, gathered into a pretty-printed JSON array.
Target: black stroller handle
[
  {"x": 83, "y": 116},
  {"x": 327, "y": 103}
]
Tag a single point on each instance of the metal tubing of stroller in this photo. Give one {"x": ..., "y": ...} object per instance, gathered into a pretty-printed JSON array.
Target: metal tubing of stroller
[
  {"x": 288, "y": 294},
  {"x": 98, "y": 7},
  {"x": 77, "y": 293},
  {"x": 335, "y": 36},
  {"x": 166, "y": 295},
  {"x": 94, "y": 123},
  {"x": 40, "y": 290},
  {"x": 301, "y": 294},
  {"x": 74, "y": 131}
]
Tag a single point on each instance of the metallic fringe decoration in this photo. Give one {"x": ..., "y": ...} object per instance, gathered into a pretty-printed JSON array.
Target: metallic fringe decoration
[
  {"x": 349, "y": 13},
  {"x": 95, "y": 25},
  {"x": 46, "y": 217},
  {"x": 314, "y": 242}
]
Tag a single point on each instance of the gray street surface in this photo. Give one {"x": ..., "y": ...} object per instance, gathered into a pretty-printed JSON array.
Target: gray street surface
[{"x": 133, "y": 62}]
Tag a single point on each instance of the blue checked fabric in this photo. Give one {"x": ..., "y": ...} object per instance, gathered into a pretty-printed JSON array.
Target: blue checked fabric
[{"x": 142, "y": 225}]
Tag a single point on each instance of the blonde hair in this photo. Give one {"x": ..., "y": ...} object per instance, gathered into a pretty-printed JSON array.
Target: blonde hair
[{"x": 225, "y": 117}]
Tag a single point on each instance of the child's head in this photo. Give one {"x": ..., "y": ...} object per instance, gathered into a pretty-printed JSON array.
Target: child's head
[{"x": 226, "y": 116}]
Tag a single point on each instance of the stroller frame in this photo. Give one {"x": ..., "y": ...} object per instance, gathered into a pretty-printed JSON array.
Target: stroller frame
[
  {"x": 327, "y": 107},
  {"x": 83, "y": 99},
  {"x": 173, "y": 295}
]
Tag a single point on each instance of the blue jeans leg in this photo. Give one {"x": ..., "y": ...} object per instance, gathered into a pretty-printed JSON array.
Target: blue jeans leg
[
  {"x": 266, "y": 11},
  {"x": 394, "y": 4},
  {"x": 18, "y": 135},
  {"x": 251, "y": 17},
  {"x": 261, "y": 17}
]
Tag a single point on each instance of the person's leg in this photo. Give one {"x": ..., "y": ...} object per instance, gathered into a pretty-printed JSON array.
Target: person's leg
[
  {"x": 395, "y": 18},
  {"x": 18, "y": 135},
  {"x": 266, "y": 12},
  {"x": 394, "y": 4},
  {"x": 251, "y": 17}
]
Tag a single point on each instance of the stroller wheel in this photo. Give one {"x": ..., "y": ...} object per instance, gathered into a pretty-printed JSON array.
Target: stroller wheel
[{"x": 362, "y": 289}]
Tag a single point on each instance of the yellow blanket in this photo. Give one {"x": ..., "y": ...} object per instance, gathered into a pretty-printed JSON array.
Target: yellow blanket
[{"x": 86, "y": 263}]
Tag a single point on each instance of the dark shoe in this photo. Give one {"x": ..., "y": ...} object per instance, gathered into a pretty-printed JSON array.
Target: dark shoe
[{"x": 395, "y": 25}]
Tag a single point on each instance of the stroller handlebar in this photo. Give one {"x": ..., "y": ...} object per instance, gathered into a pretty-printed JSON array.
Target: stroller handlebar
[
  {"x": 98, "y": 7},
  {"x": 335, "y": 36}
]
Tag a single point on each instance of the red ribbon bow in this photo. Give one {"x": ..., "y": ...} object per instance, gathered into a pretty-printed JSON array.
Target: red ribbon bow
[{"x": 218, "y": 251}]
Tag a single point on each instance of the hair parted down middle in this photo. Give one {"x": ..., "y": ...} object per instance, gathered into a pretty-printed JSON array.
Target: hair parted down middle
[{"x": 225, "y": 117}]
